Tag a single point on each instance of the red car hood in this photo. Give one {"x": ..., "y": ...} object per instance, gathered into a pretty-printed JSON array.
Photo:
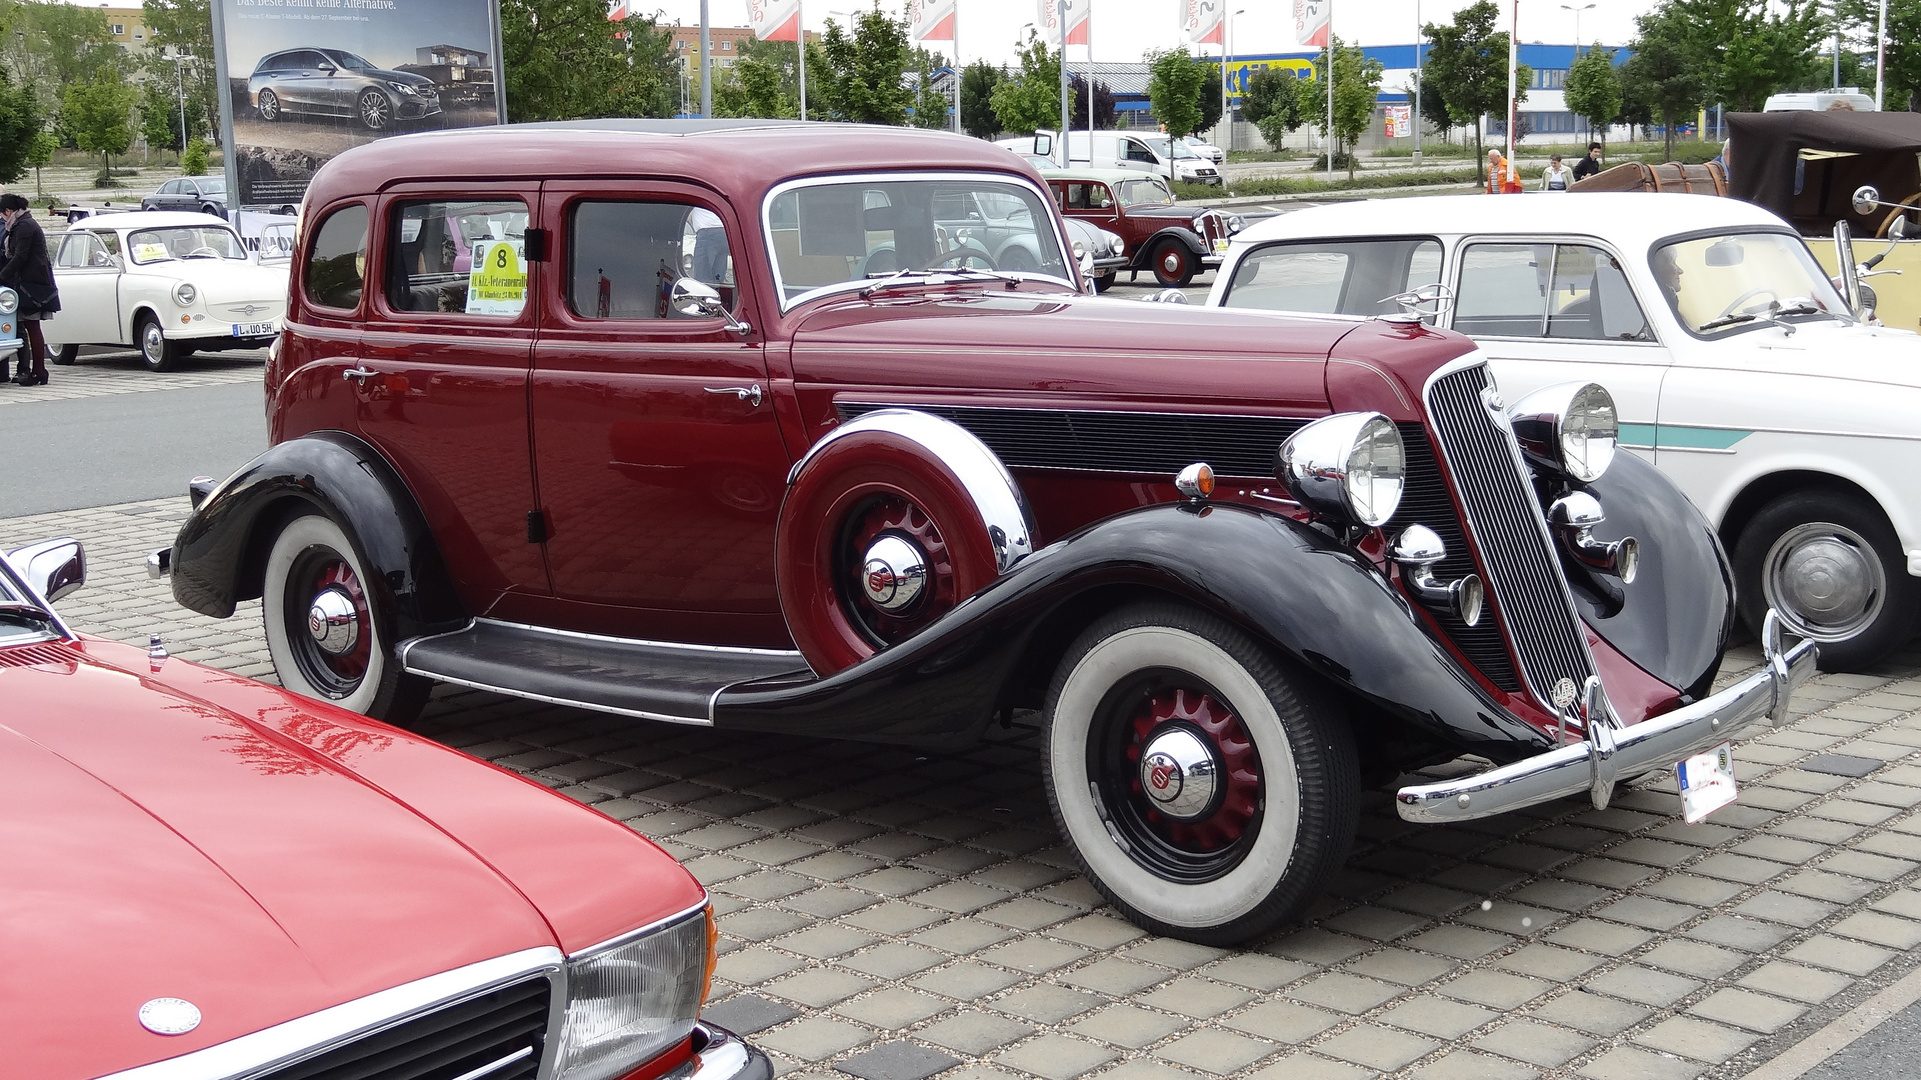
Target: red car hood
[{"x": 243, "y": 855}]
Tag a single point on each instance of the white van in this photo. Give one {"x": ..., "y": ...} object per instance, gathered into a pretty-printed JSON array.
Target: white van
[
  {"x": 1153, "y": 153},
  {"x": 1820, "y": 101}
]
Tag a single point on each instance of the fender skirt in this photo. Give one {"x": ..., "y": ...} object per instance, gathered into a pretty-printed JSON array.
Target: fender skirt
[
  {"x": 1284, "y": 582},
  {"x": 221, "y": 552},
  {"x": 1674, "y": 620}
]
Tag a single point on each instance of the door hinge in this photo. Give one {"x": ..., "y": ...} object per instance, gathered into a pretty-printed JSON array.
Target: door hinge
[
  {"x": 536, "y": 526},
  {"x": 534, "y": 245}
]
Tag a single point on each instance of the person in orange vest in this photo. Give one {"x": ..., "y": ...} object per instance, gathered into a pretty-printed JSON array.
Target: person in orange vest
[{"x": 1498, "y": 173}]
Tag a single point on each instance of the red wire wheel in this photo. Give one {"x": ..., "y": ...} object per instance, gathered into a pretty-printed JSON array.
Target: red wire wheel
[
  {"x": 1238, "y": 798},
  {"x": 851, "y": 492}
]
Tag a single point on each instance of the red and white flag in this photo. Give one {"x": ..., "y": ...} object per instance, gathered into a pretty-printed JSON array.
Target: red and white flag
[
  {"x": 774, "y": 20},
  {"x": 1201, "y": 21},
  {"x": 1076, "y": 13},
  {"x": 931, "y": 20},
  {"x": 1312, "y": 19}
]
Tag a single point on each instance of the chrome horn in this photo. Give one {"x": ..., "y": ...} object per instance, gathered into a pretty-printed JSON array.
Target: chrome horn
[
  {"x": 1417, "y": 550},
  {"x": 1574, "y": 517}
]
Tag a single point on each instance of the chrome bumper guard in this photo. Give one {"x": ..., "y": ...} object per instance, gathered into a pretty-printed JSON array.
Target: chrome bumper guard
[
  {"x": 720, "y": 1054},
  {"x": 1612, "y": 752}
]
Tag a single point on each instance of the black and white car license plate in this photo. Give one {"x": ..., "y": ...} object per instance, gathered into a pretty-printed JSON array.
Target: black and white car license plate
[{"x": 253, "y": 329}]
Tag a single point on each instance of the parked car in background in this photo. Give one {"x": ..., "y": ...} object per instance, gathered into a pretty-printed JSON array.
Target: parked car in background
[
  {"x": 212, "y": 877},
  {"x": 335, "y": 82},
  {"x": 1738, "y": 369},
  {"x": 1175, "y": 242},
  {"x": 202, "y": 194},
  {"x": 1205, "y": 149},
  {"x": 1238, "y": 563},
  {"x": 168, "y": 284},
  {"x": 1102, "y": 254}
]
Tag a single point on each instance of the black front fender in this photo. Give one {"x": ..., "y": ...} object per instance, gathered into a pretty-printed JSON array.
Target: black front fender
[
  {"x": 219, "y": 554},
  {"x": 1144, "y": 250},
  {"x": 1287, "y": 584}
]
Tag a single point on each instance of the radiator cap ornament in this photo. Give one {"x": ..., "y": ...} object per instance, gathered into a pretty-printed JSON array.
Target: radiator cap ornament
[
  {"x": 169, "y": 1016},
  {"x": 1564, "y": 693}
]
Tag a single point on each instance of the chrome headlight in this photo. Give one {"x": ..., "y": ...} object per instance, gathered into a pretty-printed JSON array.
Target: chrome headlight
[
  {"x": 1120, "y": 246},
  {"x": 1235, "y": 223},
  {"x": 9, "y": 301},
  {"x": 1570, "y": 428},
  {"x": 1080, "y": 250},
  {"x": 629, "y": 1001},
  {"x": 1350, "y": 466},
  {"x": 184, "y": 293},
  {"x": 404, "y": 88}
]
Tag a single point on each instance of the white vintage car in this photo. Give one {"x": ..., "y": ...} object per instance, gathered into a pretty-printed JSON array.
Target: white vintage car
[
  {"x": 166, "y": 283},
  {"x": 1737, "y": 367}
]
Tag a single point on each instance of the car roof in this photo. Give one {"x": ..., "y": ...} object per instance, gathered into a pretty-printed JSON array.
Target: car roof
[
  {"x": 1105, "y": 176},
  {"x": 1626, "y": 218},
  {"x": 147, "y": 219}
]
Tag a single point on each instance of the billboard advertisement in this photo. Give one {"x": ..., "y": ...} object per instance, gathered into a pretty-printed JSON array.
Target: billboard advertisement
[{"x": 306, "y": 80}]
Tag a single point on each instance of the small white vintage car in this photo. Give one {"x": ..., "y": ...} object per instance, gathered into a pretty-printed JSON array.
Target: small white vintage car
[
  {"x": 1736, "y": 364},
  {"x": 166, "y": 283}
]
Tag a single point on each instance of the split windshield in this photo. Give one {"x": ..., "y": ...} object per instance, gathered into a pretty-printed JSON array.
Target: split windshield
[
  {"x": 184, "y": 242},
  {"x": 1726, "y": 283}
]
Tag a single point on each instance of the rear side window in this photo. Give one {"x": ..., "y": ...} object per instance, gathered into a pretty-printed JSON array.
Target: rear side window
[
  {"x": 1546, "y": 290},
  {"x": 626, "y": 257},
  {"x": 1334, "y": 278},
  {"x": 459, "y": 257},
  {"x": 337, "y": 262}
]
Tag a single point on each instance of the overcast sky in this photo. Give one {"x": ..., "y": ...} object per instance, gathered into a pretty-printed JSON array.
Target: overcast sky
[{"x": 1124, "y": 29}]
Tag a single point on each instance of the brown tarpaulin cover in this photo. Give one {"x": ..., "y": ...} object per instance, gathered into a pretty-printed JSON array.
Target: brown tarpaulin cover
[
  {"x": 1705, "y": 179},
  {"x": 1879, "y": 147}
]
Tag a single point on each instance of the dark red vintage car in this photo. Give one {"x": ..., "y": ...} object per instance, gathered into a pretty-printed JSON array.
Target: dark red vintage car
[
  {"x": 1174, "y": 242},
  {"x": 725, "y": 424},
  {"x": 211, "y": 877}
]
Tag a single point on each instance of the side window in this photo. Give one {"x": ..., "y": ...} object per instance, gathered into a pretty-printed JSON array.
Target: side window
[
  {"x": 1098, "y": 198},
  {"x": 1138, "y": 152},
  {"x": 171, "y": 187},
  {"x": 1351, "y": 278},
  {"x": 109, "y": 240},
  {"x": 626, "y": 256},
  {"x": 337, "y": 262},
  {"x": 458, "y": 257},
  {"x": 1569, "y": 291},
  {"x": 77, "y": 250},
  {"x": 1591, "y": 298}
]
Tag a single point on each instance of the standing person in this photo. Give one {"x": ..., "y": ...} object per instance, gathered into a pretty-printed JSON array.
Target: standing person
[
  {"x": 22, "y": 367},
  {"x": 1556, "y": 176},
  {"x": 30, "y": 274},
  {"x": 1588, "y": 165},
  {"x": 1501, "y": 177}
]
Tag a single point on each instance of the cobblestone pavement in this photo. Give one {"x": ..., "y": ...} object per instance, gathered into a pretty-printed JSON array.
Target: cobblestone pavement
[
  {"x": 102, "y": 371},
  {"x": 893, "y": 914}
]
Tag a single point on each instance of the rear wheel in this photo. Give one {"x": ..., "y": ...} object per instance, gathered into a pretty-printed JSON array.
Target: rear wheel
[
  {"x": 156, "y": 351},
  {"x": 65, "y": 354},
  {"x": 323, "y": 626},
  {"x": 1208, "y": 793},
  {"x": 1018, "y": 260},
  {"x": 1831, "y": 565},
  {"x": 1174, "y": 264}
]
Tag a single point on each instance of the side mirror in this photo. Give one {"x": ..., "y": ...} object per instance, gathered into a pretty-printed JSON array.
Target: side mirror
[
  {"x": 53, "y": 568},
  {"x": 699, "y": 300},
  {"x": 1850, "y": 274},
  {"x": 1901, "y": 228}
]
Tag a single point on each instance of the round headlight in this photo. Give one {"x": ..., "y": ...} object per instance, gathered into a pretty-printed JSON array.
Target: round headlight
[
  {"x": 1569, "y": 428},
  {"x": 1080, "y": 250},
  {"x": 1350, "y": 466},
  {"x": 9, "y": 301},
  {"x": 184, "y": 293},
  {"x": 1120, "y": 246},
  {"x": 1235, "y": 223}
]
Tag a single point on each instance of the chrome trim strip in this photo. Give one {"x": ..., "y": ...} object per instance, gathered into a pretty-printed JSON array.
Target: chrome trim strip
[
  {"x": 618, "y": 940},
  {"x": 1651, "y": 744},
  {"x": 644, "y": 643},
  {"x": 405, "y": 647},
  {"x": 303, "y": 1037},
  {"x": 476, "y": 1074},
  {"x": 638, "y": 714}
]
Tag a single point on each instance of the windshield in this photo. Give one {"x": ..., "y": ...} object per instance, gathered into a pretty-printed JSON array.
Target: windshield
[
  {"x": 1723, "y": 284},
  {"x": 823, "y": 235},
  {"x": 18, "y": 624},
  {"x": 1145, "y": 193},
  {"x": 1166, "y": 147},
  {"x": 184, "y": 242}
]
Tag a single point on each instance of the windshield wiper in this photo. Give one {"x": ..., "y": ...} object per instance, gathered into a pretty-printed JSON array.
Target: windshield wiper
[
  {"x": 1726, "y": 320},
  {"x": 1798, "y": 305},
  {"x": 889, "y": 280}
]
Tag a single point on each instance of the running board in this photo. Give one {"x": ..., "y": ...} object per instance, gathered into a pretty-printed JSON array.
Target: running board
[{"x": 648, "y": 679}]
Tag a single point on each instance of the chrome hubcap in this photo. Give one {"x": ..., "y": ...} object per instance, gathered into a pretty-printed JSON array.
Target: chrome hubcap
[
  {"x": 895, "y": 573},
  {"x": 1825, "y": 580},
  {"x": 331, "y": 621},
  {"x": 1180, "y": 773}
]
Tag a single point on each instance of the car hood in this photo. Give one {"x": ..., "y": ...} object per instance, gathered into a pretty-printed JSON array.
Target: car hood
[
  {"x": 419, "y": 82},
  {"x": 1171, "y": 213},
  {"x": 252, "y": 861},
  {"x": 223, "y": 280},
  {"x": 1868, "y": 356}
]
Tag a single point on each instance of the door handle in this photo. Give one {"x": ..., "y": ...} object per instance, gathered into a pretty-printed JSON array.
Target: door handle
[
  {"x": 749, "y": 394},
  {"x": 359, "y": 375}
]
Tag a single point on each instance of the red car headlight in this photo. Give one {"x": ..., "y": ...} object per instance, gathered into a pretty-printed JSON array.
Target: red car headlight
[{"x": 633, "y": 998}]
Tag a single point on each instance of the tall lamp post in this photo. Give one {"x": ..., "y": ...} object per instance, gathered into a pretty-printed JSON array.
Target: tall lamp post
[
  {"x": 1418, "y": 35},
  {"x": 180, "y": 88},
  {"x": 1577, "y": 23},
  {"x": 1880, "y": 54},
  {"x": 1227, "y": 53}
]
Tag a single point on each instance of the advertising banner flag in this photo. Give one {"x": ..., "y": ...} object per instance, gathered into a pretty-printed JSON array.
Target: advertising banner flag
[
  {"x": 306, "y": 80},
  {"x": 1311, "y": 21},
  {"x": 931, "y": 20},
  {"x": 1201, "y": 21},
  {"x": 1399, "y": 121},
  {"x": 774, "y": 20},
  {"x": 1080, "y": 22}
]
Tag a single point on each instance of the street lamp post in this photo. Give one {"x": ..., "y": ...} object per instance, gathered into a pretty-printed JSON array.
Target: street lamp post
[
  {"x": 1329, "y": 133},
  {"x": 1577, "y": 23},
  {"x": 1880, "y": 54},
  {"x": 1227, "y": 54},
  {"x": 180, "y": 88},
  {"x": 1418, "y": 34},
  {"x": 1067, "y": 122}
]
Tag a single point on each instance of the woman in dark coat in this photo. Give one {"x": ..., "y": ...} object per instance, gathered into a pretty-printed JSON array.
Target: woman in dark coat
[{"x": 29, "y": 273}]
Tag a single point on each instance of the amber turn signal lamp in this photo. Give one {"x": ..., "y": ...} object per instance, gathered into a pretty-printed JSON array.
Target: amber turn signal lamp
[
  {"x": 713, "y": 945},
  {"x": 1196, "y": 481}
]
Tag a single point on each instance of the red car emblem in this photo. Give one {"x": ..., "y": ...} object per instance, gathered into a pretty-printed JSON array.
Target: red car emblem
[{"x": 1163, "y": 773}]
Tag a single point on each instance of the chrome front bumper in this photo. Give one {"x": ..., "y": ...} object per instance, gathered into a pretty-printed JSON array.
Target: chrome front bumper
[
  {"x": 720, "y": 1054},
  {"x": 1611, "y": 752}
]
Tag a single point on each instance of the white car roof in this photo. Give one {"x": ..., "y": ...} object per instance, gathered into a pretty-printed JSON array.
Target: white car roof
[
  {"x": 148, "y": 219},
  {"x": 1627, "y": 219}
]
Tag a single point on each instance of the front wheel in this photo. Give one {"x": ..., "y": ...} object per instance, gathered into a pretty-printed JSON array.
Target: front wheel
[
  {"x": 1208, "y": 792},
  {"x": 375, "y": 111},
  {"x": 1102, "y": 284},
  {"x": 156, "y": 351},
  {"x": 1174, "y": 264},
  {"x": 324, "y": 627},
  {"x": 64, "y": 354},
  {"x": 1832, "y": 567}
]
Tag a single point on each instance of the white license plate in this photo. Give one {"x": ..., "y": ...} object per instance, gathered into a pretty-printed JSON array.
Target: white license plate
[
  {"x": 253, "y": 329},
  {"x": 1707, "y": 782}
]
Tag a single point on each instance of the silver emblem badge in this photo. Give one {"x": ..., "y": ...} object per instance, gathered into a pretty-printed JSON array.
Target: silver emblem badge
[
  {"x": 169, "y": 1016},
  {"x": 249, "y": 309},
  {"x": 1564, "y": 693}
]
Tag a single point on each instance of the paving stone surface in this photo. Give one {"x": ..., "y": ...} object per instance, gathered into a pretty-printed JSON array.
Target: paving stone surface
[
  {"x": 119, "y": 371},
  {"x": 888, "y": 911}
]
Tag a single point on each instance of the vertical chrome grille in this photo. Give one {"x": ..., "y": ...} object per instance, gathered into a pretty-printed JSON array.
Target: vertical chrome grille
[{"x": 1523, "y": 572}]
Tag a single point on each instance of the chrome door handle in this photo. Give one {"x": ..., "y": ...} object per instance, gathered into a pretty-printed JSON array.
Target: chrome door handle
[
  {"x": 749, "y": 394},
  {"x": 359, "y": 375}
]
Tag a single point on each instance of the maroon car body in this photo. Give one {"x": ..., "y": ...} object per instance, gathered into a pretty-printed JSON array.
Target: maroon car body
[
  {"x": 729, "y": 427},
  {"x": 215, "y": 874},
  {"x": 1172, "y": 241}
]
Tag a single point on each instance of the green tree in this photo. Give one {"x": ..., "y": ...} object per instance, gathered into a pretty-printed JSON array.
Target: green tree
[
  {"x": 1210, "y": 97},
  {"x": 755, "y": 86},
  {"x": 40, "y": 152},
  {"x": 54, "y": 45},
  {"x": 1467, "y": 66},
  {"x": 932, "y": 104},
  {"x": 1175, "y": 82},
  {"x": 864, "y": 78},
  {"x": 1030, "y": 100},
  {"x": 1434, "y": 108},
  {"x": 193, "y": 160},
  {"x": 1662, "y": 77},
  {"x": 1273, "y": 103},
  {"x": 160, "y": 115},
  {"x": 562, "y": 62},
  {"x": 1902, "y": 61},
  {"x": 183, "y": 28},
  {"x": 1357, "y": 84},
  {"x": 1594, "y": 90},
  {"x": 978, "y": 80},
  {"x": 21, "y": 137},
  {"x": 99, "y": 115}
]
